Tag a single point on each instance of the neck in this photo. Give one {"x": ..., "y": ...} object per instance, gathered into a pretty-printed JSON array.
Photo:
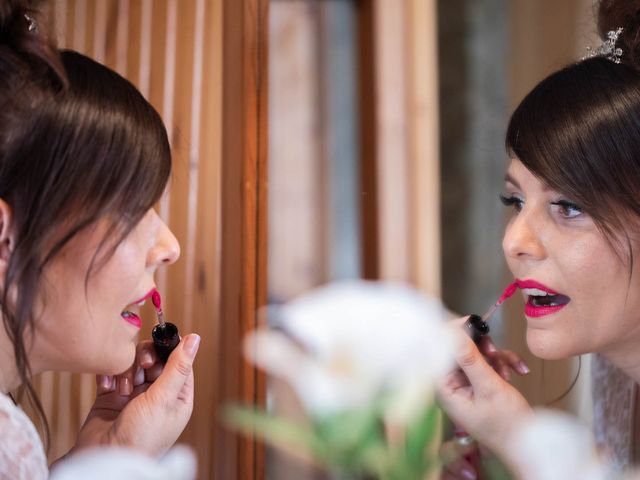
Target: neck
[{"x": 626, "y": 358}]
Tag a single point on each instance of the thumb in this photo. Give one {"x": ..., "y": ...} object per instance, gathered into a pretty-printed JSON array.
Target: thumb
[{"x": 178, "y": 368}]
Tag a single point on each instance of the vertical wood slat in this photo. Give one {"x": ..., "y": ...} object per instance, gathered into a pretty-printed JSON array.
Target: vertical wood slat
[
  {"x": 206, "y": 300},
  {"x": 178, "y": 292},
  {"x": 399, "y": 141},
  {"x": 399, "y": 115},
  {"x": 122, "y": 38},
  {"x": 295, "y": 189},
  {"x": 193, "y": 160},
  {"x": 368, "y": 126},
  {"x": 392, "y": 160},
  {"x": 243, "y": 218},
  {"x": 168, "y": 97},
  {"x": 145, "y": 47},
  {"x": 423, "y": 150},
  {"x": 100, "y": 31}
]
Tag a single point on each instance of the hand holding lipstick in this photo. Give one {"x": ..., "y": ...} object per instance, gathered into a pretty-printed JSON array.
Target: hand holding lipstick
[
  {"x": 462, "y": 455},
  {"x": 477, "y": 397},
  {"x": 148, "y": 406}
]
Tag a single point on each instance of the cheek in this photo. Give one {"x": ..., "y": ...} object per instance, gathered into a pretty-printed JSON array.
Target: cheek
[{"x": 594, "y": 273}]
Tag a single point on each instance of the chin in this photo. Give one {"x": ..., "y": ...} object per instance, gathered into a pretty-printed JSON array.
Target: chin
[
  {"x": 118, "y": 362},
  {"x": 547, "y": 345}
]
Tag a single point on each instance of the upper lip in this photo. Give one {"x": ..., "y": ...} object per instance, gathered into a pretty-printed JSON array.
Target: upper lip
[
  {"x": 528, "y": 283},
  {"x": 145, "y": 297}
]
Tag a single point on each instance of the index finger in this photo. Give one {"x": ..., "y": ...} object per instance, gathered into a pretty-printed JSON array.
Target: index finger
[{"x": 146, "y": 355}]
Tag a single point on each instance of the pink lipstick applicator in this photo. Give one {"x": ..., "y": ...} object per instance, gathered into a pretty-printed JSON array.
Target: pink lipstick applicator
[
  {"x": 477, "y": 326},
  {"x": 165, "y": 335}
]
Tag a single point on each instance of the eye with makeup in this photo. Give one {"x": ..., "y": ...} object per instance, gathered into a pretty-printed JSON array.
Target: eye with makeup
[
  {"x": 512, "y": 201},
  {"x": 567, "y": 209}
]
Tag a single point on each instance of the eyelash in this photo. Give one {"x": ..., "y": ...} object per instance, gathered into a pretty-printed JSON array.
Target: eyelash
[
  {"x": 511, "y": 201},
  {"x": 565, "y": 206}
]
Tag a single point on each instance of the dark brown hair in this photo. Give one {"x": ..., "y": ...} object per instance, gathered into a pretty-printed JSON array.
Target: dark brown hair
[
  {"x": 579, "y": 129},
  {"x": 78, "y": 144}
]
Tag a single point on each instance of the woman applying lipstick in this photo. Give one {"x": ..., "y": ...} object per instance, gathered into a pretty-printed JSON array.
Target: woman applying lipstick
[
  {"x": 573, "y": 240},
  {"x": 83, "y": 159}
]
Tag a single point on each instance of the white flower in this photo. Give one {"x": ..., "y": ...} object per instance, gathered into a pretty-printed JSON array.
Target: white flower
[
  {"x": 555, "y": 446},
  {"x": 345, "y": 343},
  {"x": 103, "y": 463}
]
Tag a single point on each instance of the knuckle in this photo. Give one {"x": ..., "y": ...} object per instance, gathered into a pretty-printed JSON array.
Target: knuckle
[
  {"x": 184, "y": 368},
  {"x": 467, "y": 357}
]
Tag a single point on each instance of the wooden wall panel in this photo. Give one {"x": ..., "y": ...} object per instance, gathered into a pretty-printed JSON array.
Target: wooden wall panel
[
  {"x": 401, "y": 169},
  {"x": 172, "y": 50},
  {"x": 296, "y": 183},
  {"x": 400, "y": 118},
  {"x": 422, "y": 145},
  {"x": 244, "y": 217}
]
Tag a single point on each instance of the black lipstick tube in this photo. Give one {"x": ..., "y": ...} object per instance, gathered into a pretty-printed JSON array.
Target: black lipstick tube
[
  {"x": 165, "y": 339},
  {"x": 476, "y": 328}
]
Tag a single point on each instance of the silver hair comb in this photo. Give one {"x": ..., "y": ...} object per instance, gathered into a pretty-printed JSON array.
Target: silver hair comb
[
  {"x": 608, "y": 48},
  {"x": 32, "y": 25}
]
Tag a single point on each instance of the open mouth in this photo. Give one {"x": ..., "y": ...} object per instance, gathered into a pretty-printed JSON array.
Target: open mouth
[
  {"x": 542, "y": 302},
  {"x": 130, "y": 314},
  {"x": 540, "y": 298}
]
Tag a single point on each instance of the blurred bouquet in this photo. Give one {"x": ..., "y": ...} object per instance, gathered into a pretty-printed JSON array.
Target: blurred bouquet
[{"x": 364, "y": 359}]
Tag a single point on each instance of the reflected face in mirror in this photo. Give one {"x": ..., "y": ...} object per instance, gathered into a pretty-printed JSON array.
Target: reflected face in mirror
[{"x": 579, "y": 294}]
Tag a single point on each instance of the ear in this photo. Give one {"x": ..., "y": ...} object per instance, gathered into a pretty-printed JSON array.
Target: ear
[{"x": 7, "y": 239}]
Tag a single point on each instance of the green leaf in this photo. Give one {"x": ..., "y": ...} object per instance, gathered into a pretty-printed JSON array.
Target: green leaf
[
  {"x": 494, "y": 469},
  {"x": 418, "y": 437},
  {"x": 349, "y": 436},
  {"x": 275, "y": 430}
]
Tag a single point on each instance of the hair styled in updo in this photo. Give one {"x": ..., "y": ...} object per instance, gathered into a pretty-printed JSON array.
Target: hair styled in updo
[
  {"x": 579, "y": 130},
  {"x": 78, "y": 144}
]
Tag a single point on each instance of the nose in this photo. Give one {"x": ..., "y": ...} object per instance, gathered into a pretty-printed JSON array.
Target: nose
[
  {"x": 166, "y": 249},
  {"x": 522, "y": 240}
]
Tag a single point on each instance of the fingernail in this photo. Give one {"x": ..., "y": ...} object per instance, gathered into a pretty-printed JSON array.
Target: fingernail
[
  {"x": 105, "y": 382},
  {"x": 146, "y": 360},
  {"x": 468, "y": 473},
  {"x": 522, "y": 367},
  {"x": 191, "y": 345},
  {"x": 138, "y": 379},
  {"x": 491, "y": 348},
  {"x": 124, "y": 386}
]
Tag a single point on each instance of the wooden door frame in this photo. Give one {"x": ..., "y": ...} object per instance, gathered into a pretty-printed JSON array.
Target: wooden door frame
[{"x": 244, "y": 223}]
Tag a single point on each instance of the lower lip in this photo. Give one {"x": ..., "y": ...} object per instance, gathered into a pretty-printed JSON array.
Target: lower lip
[
  {"x": 533, "y": 311},
  {"x": 134, "y": 320}
]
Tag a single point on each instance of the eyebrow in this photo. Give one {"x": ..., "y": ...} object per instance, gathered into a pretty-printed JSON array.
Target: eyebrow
[{"x": 508, "y": 178}]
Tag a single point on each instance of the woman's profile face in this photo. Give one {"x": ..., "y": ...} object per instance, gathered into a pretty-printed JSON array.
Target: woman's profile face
[
  {"x": 555, "y": 248},
  {"x": 84, "y": 329}
]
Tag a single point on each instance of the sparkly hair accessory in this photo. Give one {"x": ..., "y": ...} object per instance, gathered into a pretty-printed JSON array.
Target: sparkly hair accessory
[
  {"x": 32, "y": 25},
  {"x": 608, "y": 48}
]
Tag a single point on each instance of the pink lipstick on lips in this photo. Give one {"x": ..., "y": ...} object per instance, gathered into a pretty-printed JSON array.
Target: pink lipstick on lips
[
  {"x": 131, "y": 317},
  {"x": 541, "y": 300}
]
